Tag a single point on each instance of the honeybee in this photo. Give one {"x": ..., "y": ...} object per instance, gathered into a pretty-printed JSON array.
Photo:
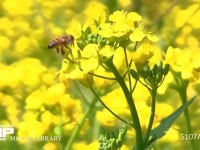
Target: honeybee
[{"x": 61, "y": 42}]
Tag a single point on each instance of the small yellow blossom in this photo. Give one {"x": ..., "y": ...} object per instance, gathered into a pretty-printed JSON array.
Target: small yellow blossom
[
  {"x": 118, "y": 58},
  {"x": 30, "y": 115},
  {"x": 31, "y": 128},
  {"x": 115, "y": 100},
  {"x": 137, "y": 35},
  {"x": 133, "y": 17},
  {"x": 152, "y": 37},
  {"x": 143, "y": 54},
  {"x": 89, "y": 58},
  {"x": 107, "y": 51},
  {"x": 48, "y": 78},
  {"x": 121, "y": 23},
  {"x": 25, "y": 44},
  {"x": 53, "y": 94},
  {"x": 96, "y": 11},
  {"x": 35, "y": 99},
  {"x": 70, "y": 70},
  {"x": 106, "y": 30},
  {"x": 172, "y": 136},
  {"x": 184, "y": 61},
  {"x": 4, "y": 43},
  {"x": 48, "y": 118},
  {"x": 72, "y": 108},
  {"x": 183, "y": 16},
  {"x": 74, "y": 29},
  {"x": 16, "y": 8},
  {"x": 118, "y": 16},
  {"x": 119, "y": 29},
  {"x": 125, "y": 3},
  {"x": 99, "y": 82},
  {"x": 144, "y": 116},
  {"x": 95, "y": 14},
  {"x": 7, "y": 77},
  {"x": 50, "y": 146},
  {"x": 82, "y": 145},
  {"x": 23, "y": 68},
  {"x": 162, "y": 111},
  {"x": 106, "y": 118},
  {"x": 9, "y": 108}
]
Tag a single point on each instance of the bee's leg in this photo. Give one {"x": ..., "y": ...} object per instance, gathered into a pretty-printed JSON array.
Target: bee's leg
[
  {"x": 62, "y": 50},
  {"x": 57, "y": 49},
  {"x": 70, "y": 51}
]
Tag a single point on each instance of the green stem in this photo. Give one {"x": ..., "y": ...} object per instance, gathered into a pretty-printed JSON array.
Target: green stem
[
  {"x": 129, "y": 98},
  {"x": 77, "y": 129},
  {"x": 183, "y": 95},
  {"x": 151, "y": 119},
  {"x": 127, "y": 65}
]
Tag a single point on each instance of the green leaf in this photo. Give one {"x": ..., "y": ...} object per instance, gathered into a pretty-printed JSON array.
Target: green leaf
[{"x": 166, "y": 123}]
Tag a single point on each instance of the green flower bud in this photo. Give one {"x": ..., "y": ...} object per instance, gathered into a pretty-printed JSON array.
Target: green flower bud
[
  {"x": 134, "y": 74},
  {"x": 81, "y": 44},
  {"x": 166, "y": 69}
]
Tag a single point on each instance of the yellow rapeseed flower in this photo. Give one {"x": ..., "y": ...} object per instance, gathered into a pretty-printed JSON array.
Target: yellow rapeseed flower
[
  {"x": 118, "y": 16},
  {"x": 49, "y": 119},
  {"x": 100, "y": 82},
  {"x": 71, "y": 108},
  {"x": 29, "y": 67},
  {"x": 30, "y": 115},
  {"x": 31, "y": 128},
  {"x": 121, "y": 23},
  {"x": 188, "y": 15},
  {"x": 71, "y": 71},
  {"x": 143, "y": 54},
  {"x": 172, "y": 135},
  {"x": 82, "y": 145},
  {"x": 184, "y": 61},
  {"x": 24, "y": 45},
  {"x": 74, "y": 28},
  {"x": 107, "y": 51},
  {"x": 7, "y": 77},
  {"x": 35, "y": 99},
  {"x": 106, "y": 30},
  {"x": 17, "y": 8},
  {"x": 9, "y": 108},
  {"x": 89, "y": 58},
  {"x": 95, "y": 14},
  {"x": 125, "y": 3},
  {"x": 4, "y": 43},
  {"x": 53, "y": 94},
  {"x": 106, "y": 119},
  {"x": 115, "y": 100},
  {"x": 118, "y": 58},
  {"x": 137, "y": 35},
  {"x": 51, "y": 146},
  {"x": 143, "y": 112}
]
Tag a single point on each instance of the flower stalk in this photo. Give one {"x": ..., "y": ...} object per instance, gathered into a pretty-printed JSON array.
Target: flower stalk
[{"x": 130, "y": 101}]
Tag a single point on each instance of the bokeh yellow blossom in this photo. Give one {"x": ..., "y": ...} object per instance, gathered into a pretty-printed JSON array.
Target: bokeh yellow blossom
[
  {"x": 31, "y": 128},
  {"x": 51, "y": 146},
  {"x": 83, "y": 145},
  {"x": 115, "y": 100},
  {"x": 184, "y": 61},
  {"x": 14, "y": 8}
]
